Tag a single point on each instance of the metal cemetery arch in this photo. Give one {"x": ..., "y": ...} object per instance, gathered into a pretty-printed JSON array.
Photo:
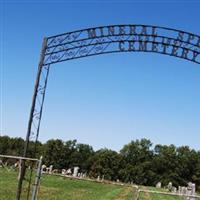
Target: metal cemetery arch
[{"x": 102, "y": 40}]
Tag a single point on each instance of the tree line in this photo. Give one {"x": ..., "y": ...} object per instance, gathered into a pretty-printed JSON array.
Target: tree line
[{"x": 138, "y": 162}]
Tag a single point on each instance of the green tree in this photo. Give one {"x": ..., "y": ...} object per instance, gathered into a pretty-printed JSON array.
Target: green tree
[
  {"x": 81, "y": 157},
  {"x": 106, "y": 163},
  {"x": 165, "y": 164},
  {"x": 137, "y": 156},
  {"x": 54, "y": 154}
]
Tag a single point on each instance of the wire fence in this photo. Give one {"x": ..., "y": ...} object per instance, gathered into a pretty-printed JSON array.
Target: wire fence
[{"x": 10, "y": 169}]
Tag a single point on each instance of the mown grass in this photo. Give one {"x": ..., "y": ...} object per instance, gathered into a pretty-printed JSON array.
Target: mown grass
[
  {"x": 8, "y": 184},
  {"x": 150, "y": 196},
  {"x": 60, "y": 188}
]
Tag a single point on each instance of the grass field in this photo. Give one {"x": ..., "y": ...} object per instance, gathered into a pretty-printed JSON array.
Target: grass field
[
  {"x": 59, "y": 188},
  {"x": 146, "y": 195}
]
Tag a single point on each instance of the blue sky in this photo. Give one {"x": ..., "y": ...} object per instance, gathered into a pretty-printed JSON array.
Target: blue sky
[{"x": 107, "y": 100}]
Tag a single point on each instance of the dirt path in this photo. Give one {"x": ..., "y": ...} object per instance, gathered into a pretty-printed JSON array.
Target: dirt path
[
  {"x": 123, "y": 195},
  {"x": 146, "y": 195}
]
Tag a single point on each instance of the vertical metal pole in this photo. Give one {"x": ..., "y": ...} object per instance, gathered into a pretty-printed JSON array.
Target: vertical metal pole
[
  {"x": 136, "y": 193},
  {"x": 42, "y": 103},
  {"x": 37, "y": 180},
  {"x": 42, "y": 56},
  {"x": 39, "y": 117}
]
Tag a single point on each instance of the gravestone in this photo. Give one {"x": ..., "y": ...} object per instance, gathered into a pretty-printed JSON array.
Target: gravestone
[
  {"x": 64, "y": 171},
  {"x": 174, "y": 190},
  {"x": 75, "y": 173},
  {"x": 84, "y": 175},
  {"x": 69, "y": 172},
  {"x": 188, "y": 191},
  {"x": 50, "y": 169},
  {"x": 169, "y": 186},
  {"x": 159, "y": 185},
  {"x": 191, "y": 190},
  {"x": 43, "y": 169}
]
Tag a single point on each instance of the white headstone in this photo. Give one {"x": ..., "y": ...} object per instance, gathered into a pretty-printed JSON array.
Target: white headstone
[
  {"x": 75, "y": 174},
  {"x": 191, "y": 190},
  {"x": 159, "y": 185},
  {"x": 64, "y": 171},
  {"x": 50, "y": 169},
  {"x": 169, "y": 186},
  {"x": 69, "y": 171},
  {"x": 44, "y": 168},
  {"x": 84, "y": 175}
]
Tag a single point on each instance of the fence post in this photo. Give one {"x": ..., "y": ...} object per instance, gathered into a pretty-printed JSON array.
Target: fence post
[
  {"x": 136, "y": 193},
  {"x": 37, "y": 180}
]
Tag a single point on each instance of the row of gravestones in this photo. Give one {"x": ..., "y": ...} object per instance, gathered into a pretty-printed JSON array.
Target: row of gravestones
[
  {"x": 46, "y": 169},
  {"x": 188, "y": 191},
  {"x": 68, "y": 172},
  {"x": 75, "y": 173}
]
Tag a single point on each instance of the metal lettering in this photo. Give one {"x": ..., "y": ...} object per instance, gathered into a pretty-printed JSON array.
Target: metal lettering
[
  {"x": 121, "y": 45},
  {"x": 168, "y": 41},
  {"x": 144, "y": 30},
  {"x": 190, "y": 38},
  {"x": 185, "y": 53},
  {"x": 165, "y": 46},
  {"x": 142, "y": 46},
  {"x": 154, "y": 38},
  {"x": 140, "y": 38},
  {"x": 180, "y": 36},
  {"x": 174, "y": 51},
  {"x": 130, "y": 38},
  {"x": 146, "y": 38},
  {"x": 132, "y": 30},
  {"x": 131, "y": 46},
  {"x": 154, "y": 47},
  {"x": 122, "y": 30},
  {"x": 175, "y": 42},
  {"x": 92, "y": 33},
  {"x": 154, "y": 33},
  {"x": 101, "y": 31},
  {"x": 111, "y": 30},
  {"x": 194, "y": 55}
]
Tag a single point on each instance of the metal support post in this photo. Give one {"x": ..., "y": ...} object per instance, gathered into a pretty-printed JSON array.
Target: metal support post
[
  {"x": 34, "y": 114},
  {"x": 37, "y": 180},
  {"x": 136, "y": 193}
]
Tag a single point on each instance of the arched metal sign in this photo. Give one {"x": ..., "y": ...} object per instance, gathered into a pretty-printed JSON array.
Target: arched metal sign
[
  {"x": 122, "y": 38},
  {"x": 102, "y": 40}
]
